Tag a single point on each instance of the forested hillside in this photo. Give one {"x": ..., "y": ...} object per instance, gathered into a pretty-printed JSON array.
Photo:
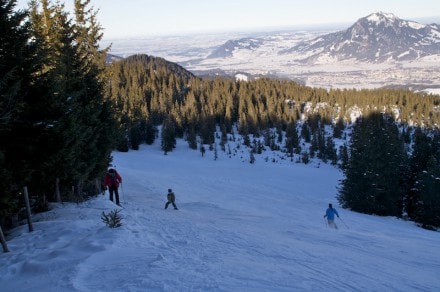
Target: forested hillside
[
  {"x": 379, "y": 132},
  {"x": 143, "y": 88},
  {"x": 63, "y": 110}
]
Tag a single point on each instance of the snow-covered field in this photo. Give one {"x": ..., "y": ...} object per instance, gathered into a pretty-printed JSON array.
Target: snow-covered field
[
  {"x": 239, "y": 227},
  {"x": 270, "y": 58}
]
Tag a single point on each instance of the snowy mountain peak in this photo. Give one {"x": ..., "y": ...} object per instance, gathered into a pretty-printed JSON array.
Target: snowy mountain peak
[
  {"x": 381, "y": 17},
  {"x": 379, "y": 37},
  {"x": 390, "y": 20}
]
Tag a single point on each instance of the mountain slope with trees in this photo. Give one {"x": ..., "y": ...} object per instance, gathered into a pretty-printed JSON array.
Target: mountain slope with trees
[
  {"x": 64, "y": 109},
  {"x": 373, "y": 129}
]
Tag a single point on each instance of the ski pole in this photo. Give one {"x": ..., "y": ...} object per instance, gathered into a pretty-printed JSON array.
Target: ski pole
[
  {"x": 122, "y": 193},
  {"x": 343, "y": 222},
  {"x": 325, "y": 222}
]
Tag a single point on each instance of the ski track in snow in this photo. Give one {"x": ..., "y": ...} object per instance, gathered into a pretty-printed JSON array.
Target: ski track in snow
[{"x": 239, "y": 227}]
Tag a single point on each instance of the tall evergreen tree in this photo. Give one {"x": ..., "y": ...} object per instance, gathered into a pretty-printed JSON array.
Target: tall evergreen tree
[
  {"x": 168, "y": 136},
  {"x": 330, "y": 151},
  {"x": 338, "y": 129},
  {"x": 16, "y": 77},
  {"x": 343, "y": 156},
  {"x": 56, "y": 138},
  {"x": 292, "y": 140},
  {"x": 427, "y": 210},
  {"x": 305, "y": 133},
  {"x": 97, "y": 118},
  {"x": 421, "y": 153},
  {"x": 192, "y": 138},
  {"x": 70, "y": 124},
  {"x": 426, "y": 188},
  {"x": 374, "y": 174}
]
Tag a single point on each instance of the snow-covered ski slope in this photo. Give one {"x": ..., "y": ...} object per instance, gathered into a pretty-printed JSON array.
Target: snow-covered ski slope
[{"x": 239, "y": 227}]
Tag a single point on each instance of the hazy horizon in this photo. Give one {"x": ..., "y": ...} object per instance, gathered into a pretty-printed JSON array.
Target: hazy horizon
[{"x": 172, "y": 17}]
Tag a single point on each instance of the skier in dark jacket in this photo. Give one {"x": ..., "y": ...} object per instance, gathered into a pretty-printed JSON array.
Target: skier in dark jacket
[
  {"x": 171, "y": 199},
  {"x": 111, "y": 181},
  {"x": 330, "y": 214}
]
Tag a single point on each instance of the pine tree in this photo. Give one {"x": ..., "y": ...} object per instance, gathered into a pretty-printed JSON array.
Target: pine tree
[
  {"x": 95, "y": 113},
  {"x": 135, "y": 137},
  {"x": 425, "y": 190},
  {"x": 330, "y": 151},
  {"x": 16, "y": 78},
  {"x": 192, "y": 138},
  {"x": 374, "y": 174},
  {"x": 305, "y": 133},
  {"x": 292, "y": 140},
  {"x": 57, "y": 135},
  {"x": 428, "y": 207},
  {"x": 343, "y": 156},
  {"x": 168, "y": 136},
  {"x": 338, "y": 129},
  {"x": 418, "y": 161},
  {"x": 73, "y": 136}
]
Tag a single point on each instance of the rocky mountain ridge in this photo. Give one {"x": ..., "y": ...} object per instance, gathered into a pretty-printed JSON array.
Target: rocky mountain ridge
[{"x": 379, "y": 37}]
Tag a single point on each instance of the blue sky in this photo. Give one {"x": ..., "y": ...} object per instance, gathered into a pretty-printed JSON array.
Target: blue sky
[{"x": 164, "y": 17}]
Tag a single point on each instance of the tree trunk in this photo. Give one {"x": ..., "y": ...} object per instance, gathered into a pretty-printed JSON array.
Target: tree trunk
[
  {"x": 98, "y": 186},
  {"x": 57, "y": 190},
  {"x": 3, "y": 241},
  {"x": 28, "y": 209}
]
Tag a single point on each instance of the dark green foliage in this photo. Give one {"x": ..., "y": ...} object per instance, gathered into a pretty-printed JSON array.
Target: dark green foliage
[
  {"x": 305, "y": 133},
  {"x": 16, "y": 69},
  {"x": 148, "y": 131},
  {"x": 375, "y": 169},
  {"x": 122, "y": 141},
  {"x": 330, "y": 153},
  {"x": 113, "y": 219},
  {"x": 146, "y": 90},
  {"x": 338, "y": 129},
  {"x": 59, "y": 102},
  {"x": 343, "y": 156},
  {"x": 292, "y": 139},
  {"x": 427, "y": 210},
  {"x": 76, "y": 128},
  {"x": 423, "y": 184},
  {"x": 135, "y": 137},
  {"x": 192, "y": 138},
  {"x": 421, "y": 153},
  {"x": 168, "y": 136},
  {"x": 151, "y": 89},
  {"x": 54, "y": 121},
  {"x": 207, "y": 130}
]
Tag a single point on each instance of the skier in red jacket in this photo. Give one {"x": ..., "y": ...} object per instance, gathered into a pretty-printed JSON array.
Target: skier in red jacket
[{"x": 111, "y": 181}]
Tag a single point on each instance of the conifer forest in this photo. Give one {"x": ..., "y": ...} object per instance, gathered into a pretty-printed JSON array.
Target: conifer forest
[{"x": 64, "y": 109}]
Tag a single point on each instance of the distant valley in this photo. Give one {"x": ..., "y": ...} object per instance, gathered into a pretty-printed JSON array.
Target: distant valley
[{"x": 379, "y": 50}]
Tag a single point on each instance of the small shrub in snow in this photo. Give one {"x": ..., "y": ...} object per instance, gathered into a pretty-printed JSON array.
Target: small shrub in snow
[{"x": 112, "y": 219}]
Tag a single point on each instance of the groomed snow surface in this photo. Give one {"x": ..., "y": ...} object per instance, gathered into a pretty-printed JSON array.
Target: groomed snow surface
[{"x": 239, "y": 227}]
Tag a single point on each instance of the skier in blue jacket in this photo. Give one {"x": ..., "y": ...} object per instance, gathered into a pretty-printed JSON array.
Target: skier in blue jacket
[{"x": 330, "y": 214}]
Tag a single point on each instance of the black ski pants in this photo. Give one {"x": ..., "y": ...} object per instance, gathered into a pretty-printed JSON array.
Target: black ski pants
[
  {"x": 170, "y": 202},
  {"x": 111, "y": 190}
]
